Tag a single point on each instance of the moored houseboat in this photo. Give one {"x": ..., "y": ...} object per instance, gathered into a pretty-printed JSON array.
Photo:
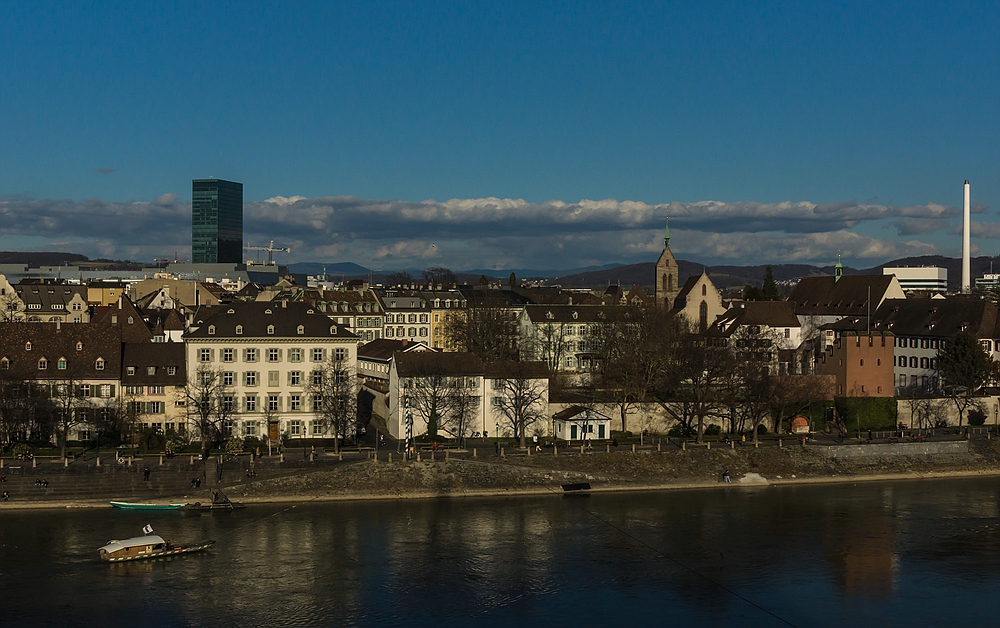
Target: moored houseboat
[{"x": 147, "y": 546}]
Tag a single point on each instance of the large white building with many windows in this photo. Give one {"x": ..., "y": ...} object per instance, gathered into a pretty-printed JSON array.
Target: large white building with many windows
[{"x": 267, "y": 354}]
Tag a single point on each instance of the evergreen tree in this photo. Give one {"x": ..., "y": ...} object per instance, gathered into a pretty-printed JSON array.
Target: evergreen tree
[
  {"x": 752, "y": 293},
  {"x": 769, "y": 290},
  {"x": 512, "y": 281}
]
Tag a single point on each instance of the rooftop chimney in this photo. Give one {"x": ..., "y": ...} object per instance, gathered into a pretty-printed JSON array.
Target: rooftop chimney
[{"x": 966, "y": 272}]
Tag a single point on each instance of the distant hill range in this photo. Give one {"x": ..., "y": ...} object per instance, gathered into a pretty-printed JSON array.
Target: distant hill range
[
  {"x": 40, "y": 258},
  {"x": 738, "y": 276}
]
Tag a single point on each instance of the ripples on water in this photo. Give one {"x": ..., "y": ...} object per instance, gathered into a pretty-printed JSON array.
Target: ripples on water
[{"x": 901, "y": 554}]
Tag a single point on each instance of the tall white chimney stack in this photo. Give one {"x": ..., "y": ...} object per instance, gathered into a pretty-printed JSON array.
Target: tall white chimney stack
[{"x": 966, "y": 270}]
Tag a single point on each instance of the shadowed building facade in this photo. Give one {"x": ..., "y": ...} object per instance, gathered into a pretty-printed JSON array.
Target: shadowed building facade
[{"x": 216, "y": 221}]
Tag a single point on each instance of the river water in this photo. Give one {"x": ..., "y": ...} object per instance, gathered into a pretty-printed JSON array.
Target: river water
[{"x": 904, "y": 553}]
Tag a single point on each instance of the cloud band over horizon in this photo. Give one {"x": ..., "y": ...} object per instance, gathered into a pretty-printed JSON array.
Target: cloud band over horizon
[{"x": 500, "y": 233}]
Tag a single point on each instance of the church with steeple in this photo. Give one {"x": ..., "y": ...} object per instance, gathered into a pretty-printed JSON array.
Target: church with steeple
[{"x": 666, "y": 285}]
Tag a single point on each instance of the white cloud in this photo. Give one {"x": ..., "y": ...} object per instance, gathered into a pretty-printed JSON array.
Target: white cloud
[{"x": 490, "y": 232}]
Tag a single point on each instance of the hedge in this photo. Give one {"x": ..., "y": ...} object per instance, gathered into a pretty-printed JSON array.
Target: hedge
[{"x": 867, "y": 412}]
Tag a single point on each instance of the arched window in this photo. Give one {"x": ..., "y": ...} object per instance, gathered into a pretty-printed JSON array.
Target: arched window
[
  {"x": 704, "y": 290},
  {"x": 301, "y": 329},
  {"x": 270, "y": 329},
  {"x": 239, "y": 330},
  {"x": 79, "y": 346},
  {"x": 670, "y": 282},
  {"x": 663, "y": 281},
  {"x": 703, "y": 316},
  {"x": 27, "y": 346}
]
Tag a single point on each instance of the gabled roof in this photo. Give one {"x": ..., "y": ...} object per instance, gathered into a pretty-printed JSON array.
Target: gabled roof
[
  {"x": 826, "y": 295},
  {"x": 578, "y": 313},
  {"x": 47, "y": 295},
  {"x": 770, "y": 313},
  {"x": 158, "y": 356},
  {"x": 53, "y": 341},
  {"x": 567, "y": 414},
  {"x": 254, "y": 318},
  {"x": 928, "y": 317},
  {"x": 427, "y": 363},
  {"x": 383, "y": 348},
  {"x": 478, "y": 297},
  {"x": 126, "y": 318}
]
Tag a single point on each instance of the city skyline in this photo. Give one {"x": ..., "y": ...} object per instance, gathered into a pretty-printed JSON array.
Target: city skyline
[{"x": 772, "y": 133}]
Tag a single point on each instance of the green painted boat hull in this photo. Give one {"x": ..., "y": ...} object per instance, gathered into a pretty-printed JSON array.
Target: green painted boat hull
[{"x": 141, "y": 506}]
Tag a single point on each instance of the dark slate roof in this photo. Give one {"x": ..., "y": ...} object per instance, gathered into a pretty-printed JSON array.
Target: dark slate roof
[
  {"x": 686, "y": 289},
  {"x": 47, "y": 294},
  {"x": 493, "y": 298},
  {"x": 931, "y": 318},
  {"x": 568, "y": 413},
  {"x": 383, "y": 348},
  {"x": 577, "y": 313},
  {"x": 54, "y": 341},
  {"x": 769, "y": 313},
  {"x": 825, "y": 295},
  {"x": 424, "y": 363},
  {"x": 519, "y": 370},
  {"x": 255, "y": 318},
  {"x": 120, "y": 313},
  {"x": 158, "y": 355}
]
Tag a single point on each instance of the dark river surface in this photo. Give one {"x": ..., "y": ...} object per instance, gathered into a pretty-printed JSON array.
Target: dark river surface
[{"x": 904, "y": 553}]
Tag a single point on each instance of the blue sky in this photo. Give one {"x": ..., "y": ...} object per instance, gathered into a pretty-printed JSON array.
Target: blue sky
[{"x": 504, "y": 134}]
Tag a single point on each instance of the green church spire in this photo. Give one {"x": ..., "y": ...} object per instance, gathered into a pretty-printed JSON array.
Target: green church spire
[{"x": 838, "y": 270}]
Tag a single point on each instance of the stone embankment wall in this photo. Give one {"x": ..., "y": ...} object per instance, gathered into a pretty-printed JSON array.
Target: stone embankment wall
[
  {"x": 695, "y": 467},
  {"x": 896, "y": 449}
]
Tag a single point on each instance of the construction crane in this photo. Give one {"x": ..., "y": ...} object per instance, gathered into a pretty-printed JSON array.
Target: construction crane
[
  {"x": 163, "y": 260},
  {"x": 270, "y": 250}
]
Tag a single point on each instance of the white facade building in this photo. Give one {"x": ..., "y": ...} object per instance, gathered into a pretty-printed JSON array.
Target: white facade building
[
  {"x": 932, "y": 278},
  {"x": 268, "y": 352}
]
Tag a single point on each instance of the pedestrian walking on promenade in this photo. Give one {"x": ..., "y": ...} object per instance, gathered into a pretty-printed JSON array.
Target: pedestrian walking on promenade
[{"x": 145, "y": 474}]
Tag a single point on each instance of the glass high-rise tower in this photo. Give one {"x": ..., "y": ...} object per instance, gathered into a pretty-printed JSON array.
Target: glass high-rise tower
[{"x": 216, "y": 222}]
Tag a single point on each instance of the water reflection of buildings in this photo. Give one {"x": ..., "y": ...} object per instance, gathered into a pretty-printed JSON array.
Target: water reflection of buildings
[{"x": 861, "y": 551}]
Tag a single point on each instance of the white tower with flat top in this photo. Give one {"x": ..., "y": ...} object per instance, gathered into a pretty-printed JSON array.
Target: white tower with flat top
[{"x": 966, "y": 264}]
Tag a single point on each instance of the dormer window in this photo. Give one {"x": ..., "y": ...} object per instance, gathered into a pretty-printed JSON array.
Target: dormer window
[
  {"x": 549, "y": 315},
  {"x": 4, "y": 364},
  {"x": 576, "y": 315},
  {"x": 130, "y": 320},
  {"x": 301, "y": 329},
  {"x": 239, "y": 330},
  {"x": 99, "y": 365},
  {"x": 130, "y": 370},
  {"x": 267, "y": 311},
  {"x": 310, "y": 311},
  {"x": 27, "y": 346},
  {"x": 61, "y": 364},
  {"x": 79, "y": 346},
  {"x": 43, "y": 364},
  {"x": 333, "y": 329},
  {"x": 231, "y": 311},
  {"x": 211, "y": 330},
  {"x": 270, "y": 330}
]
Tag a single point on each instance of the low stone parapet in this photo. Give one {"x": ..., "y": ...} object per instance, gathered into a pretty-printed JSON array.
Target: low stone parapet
[{"x": 895, "y": 449}]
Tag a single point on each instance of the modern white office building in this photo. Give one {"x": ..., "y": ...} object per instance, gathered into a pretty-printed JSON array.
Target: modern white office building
[{"x": 931, "y": 278}]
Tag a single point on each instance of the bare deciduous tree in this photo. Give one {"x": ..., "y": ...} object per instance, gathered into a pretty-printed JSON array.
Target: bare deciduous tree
[
  {"x": 210, "y": 403},
  {"x": 334, "y": 391},
  {"x": 520, "y": 392}
]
